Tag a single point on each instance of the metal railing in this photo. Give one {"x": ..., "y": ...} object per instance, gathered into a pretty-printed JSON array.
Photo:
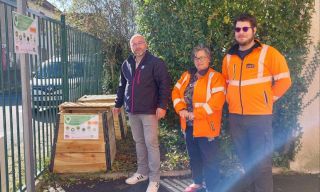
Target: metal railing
[{"x": 68, "y": 65}]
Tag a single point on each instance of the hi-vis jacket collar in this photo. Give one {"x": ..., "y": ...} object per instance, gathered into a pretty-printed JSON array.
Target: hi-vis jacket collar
[{"x": 234, "y": 49}]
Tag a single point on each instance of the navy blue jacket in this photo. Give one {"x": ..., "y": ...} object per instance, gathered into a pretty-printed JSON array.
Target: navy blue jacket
[{"x": 146, "y": 88}]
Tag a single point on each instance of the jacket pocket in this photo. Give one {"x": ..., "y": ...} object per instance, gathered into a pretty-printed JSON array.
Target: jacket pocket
[
  {"x": 266, "y": 100},
  {"x": 211, "y": 123}
]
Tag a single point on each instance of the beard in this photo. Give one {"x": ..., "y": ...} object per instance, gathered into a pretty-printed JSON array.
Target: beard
[{"x": 246, "y": 42}]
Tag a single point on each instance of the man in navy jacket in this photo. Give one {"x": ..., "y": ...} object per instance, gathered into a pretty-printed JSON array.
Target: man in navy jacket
[{"x": 144, "y": 88}]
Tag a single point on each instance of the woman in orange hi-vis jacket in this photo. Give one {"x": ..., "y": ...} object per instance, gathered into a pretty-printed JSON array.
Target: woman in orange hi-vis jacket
[{"x": 198, "y": 98}]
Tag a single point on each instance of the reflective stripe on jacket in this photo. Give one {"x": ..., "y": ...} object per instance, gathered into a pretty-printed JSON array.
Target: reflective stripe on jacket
[
  {"x": 208, "y": 100},
  {"x": 250, "y": 87}
]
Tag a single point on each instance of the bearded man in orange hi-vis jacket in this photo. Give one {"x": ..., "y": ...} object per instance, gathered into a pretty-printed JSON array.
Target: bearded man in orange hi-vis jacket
[
  {"x": 257, "y": 75},
  {"x": 198, "y": 98}
]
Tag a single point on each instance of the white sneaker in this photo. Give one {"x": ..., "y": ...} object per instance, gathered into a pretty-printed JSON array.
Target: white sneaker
[
  {"x": 153, "y": 186},
  {"x": 136, "y": 178}
]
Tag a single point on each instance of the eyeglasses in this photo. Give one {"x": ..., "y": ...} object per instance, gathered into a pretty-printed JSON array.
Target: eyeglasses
[
  {"x": 138, "y": 43},
  {"x": 200, "y": 58},
  {"x": 244, "y": 29}
]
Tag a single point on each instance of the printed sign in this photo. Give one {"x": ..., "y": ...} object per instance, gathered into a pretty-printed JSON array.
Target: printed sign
[
  {"x": 81, "y": 127},
  {"x": 25, "y": 34}
]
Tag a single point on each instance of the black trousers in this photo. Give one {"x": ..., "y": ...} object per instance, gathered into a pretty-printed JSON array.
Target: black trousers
[
  {"x": 253, "y": 141},
  {"x": 204, "y": 160}
]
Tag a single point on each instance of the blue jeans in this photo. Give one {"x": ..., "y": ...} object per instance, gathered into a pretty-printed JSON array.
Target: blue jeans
[{"x": 204, "y": 159}]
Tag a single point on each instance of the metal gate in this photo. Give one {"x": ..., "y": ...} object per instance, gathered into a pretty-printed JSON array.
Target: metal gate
[{"x": 68, "y": 66}]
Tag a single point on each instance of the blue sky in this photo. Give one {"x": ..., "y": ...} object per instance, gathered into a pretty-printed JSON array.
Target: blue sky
[{"x": 61, "y": 6}]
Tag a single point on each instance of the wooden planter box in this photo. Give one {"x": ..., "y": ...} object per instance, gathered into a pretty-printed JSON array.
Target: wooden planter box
[
  {"x": 120, "y": 123},
  {"x": 92, "y": 152}
]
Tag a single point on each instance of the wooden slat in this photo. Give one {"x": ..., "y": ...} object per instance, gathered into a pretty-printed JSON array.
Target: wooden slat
[
  {"x": 117, "y": 128},
  {"x": 84, "y": 110},
  {"x": 97, "y": 98},
  {"x": 79, "y": 162},
  {"x": 73, "y": 106},
  {"x": 112, "y": 139},
  {"x": 80, "y": 146}
]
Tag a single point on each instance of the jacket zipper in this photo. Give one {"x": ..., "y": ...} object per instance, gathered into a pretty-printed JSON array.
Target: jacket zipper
[
  {"x": 132, "y": 90},
  {"x": 138, "y": 81},
  {"x": 240, "y": 86},
  {"x": 234, "y": 71}
]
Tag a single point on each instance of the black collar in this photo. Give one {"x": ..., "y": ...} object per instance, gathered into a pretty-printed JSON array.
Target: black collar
[
  {"x": 193, "y": 71},
  {"x": 132, "y": 59},
  {"x": 235, "y": 48}
]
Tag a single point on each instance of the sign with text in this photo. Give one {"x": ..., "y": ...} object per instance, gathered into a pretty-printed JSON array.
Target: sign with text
[
  {"x": 25, "y": 34},
  {"x": 81, "y": 126}
]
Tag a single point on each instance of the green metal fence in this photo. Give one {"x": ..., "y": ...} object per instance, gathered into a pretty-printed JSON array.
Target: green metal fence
[{"x": 68, "y": 66}]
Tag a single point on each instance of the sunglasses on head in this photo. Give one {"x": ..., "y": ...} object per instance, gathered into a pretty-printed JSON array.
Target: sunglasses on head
[{"x": 244, "y": 29}]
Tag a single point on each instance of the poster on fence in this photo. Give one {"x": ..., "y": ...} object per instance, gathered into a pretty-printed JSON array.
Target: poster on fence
[
  {"x": 81, "y": 126},
  {"x": 25, "y": 31}
]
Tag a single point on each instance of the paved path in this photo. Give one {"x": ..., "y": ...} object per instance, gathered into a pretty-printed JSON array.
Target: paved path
[{"x": 282, "y": 183}]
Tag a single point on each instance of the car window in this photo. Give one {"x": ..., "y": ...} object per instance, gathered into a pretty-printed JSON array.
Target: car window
[
  {"x": 76, "y": 69},
  {"x": 50, "y": 70}
]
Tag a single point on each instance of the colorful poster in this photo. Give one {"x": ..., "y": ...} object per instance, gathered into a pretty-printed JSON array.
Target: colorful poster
[
  {"x": 25, "y": 34},
  {"x": 81, "y": 126}
]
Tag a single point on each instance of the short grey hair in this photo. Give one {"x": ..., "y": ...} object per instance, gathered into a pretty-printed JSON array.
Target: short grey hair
[
  {"x": 198, "y": 48},
  {"x": 137, "y": 35}
]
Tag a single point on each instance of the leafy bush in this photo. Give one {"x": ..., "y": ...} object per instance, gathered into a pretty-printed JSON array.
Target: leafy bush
[
  {"x": 172, "y": 145},
  {"x": 113, "y": 22},
  {"x": 173, "y": 28}
]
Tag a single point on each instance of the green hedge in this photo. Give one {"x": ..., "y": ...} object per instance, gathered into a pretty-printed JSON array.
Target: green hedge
[{"x": 173, "y": 28}]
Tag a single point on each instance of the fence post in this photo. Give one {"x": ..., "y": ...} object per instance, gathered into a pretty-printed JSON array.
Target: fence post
[
  {"x": 64, "y": 59},
  {"x": 3, "y": 177},
  {"x": 26, "y": 112}
]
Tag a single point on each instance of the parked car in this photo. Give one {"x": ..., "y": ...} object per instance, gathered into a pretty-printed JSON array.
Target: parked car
[{"x": 47, "y": 83}]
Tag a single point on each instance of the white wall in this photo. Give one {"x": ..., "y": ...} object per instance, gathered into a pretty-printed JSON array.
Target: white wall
[{"x": 308, "y": 159}]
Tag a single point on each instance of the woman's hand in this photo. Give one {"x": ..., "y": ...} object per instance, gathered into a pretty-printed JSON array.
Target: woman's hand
[
  {"x": 190, "y": 116},
  {"x": 183, "y": 113}
]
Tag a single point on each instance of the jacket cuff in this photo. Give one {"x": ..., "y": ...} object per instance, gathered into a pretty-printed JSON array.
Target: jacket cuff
[
  {"x": 162, "y": 106},
  {"x": 118, "y": 105}
]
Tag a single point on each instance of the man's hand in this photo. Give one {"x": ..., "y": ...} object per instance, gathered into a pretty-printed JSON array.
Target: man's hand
[
  {"x": 116, "y": 111},
  {"x": 160, "y": 113}
]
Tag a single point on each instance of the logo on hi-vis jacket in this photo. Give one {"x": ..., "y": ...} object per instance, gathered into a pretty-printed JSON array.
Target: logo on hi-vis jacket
[{"x": 250, "y": 66}]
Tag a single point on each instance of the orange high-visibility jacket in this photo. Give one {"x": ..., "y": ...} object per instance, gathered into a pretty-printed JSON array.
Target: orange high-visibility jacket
[
  {"x": 255, "y": 82},
  {"x": 208, "y": 100}
]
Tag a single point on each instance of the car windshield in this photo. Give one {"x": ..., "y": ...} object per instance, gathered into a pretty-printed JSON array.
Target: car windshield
[{"x": 50, "y": 70}]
